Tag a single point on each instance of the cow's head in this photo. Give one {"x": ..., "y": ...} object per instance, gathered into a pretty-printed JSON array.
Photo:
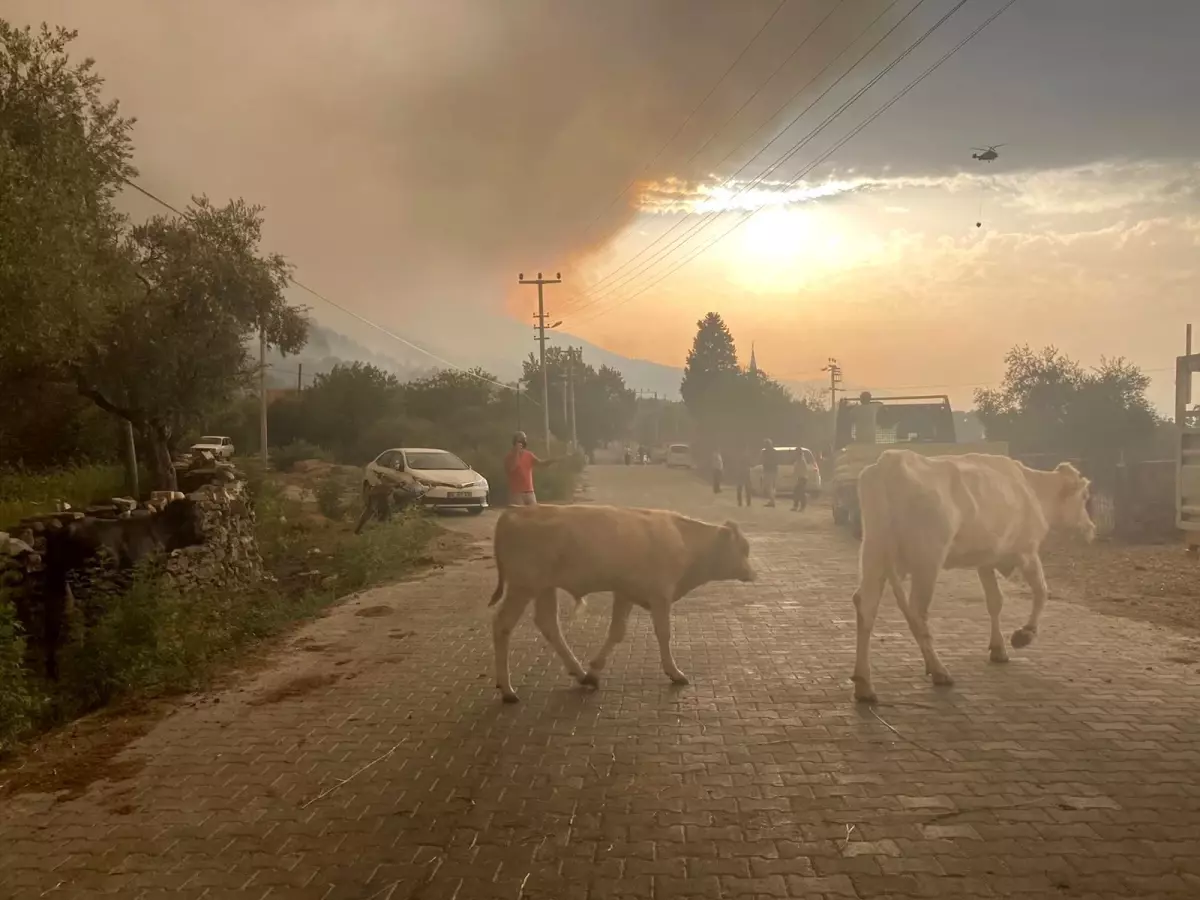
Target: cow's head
[
  {"x": 179, "y": 524},
  {"x": 731, "y": 555},
  {"x": 1071, "y": 500}
]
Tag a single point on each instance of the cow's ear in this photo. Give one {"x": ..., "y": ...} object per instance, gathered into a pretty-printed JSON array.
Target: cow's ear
[{"x": 733, "y": 526}]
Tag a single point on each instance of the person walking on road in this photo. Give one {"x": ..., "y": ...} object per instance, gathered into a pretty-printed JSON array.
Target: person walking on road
[
  {"x": 718, "y": 466},
  {"x": 800, "y": 490},
  {"x": 770, "y": 470},
  {"x": 518, "y": 465},
  {"x": 740, "y": 472}
]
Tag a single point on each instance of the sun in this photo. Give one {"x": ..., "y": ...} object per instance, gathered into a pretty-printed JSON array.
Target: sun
[{"x": 787, "y": 249}]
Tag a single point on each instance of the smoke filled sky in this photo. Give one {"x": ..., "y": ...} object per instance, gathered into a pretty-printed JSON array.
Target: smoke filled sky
[{"x": 415, "y": 155}]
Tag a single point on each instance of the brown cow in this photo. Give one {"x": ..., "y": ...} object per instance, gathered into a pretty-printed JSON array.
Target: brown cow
[
  {"x": 975, "y": 511},
  {"x": 645, "y": 557}
]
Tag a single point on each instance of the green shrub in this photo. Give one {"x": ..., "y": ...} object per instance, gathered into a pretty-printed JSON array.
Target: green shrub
[
  {"x": 383, "y": 550},
  {"x": 331, "y": 497},
  {"x": 120, "y": 651},
  {"x": 19, "y": 701},
  {"x": 285, "y": 458}
]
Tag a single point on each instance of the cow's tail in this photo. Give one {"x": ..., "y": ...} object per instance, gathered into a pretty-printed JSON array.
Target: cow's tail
[
  {"x": 499, "y": 591},
  {"x": 498, "y": 551}
]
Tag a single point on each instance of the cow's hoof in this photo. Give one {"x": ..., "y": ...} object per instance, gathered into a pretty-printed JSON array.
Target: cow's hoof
[
  {"x": 998, "y": 655},
  {"x": 678, "y": 678},
  {"x": 863, "y": 692},
  {"x": 1022, "y": 637},
  {"x": 510, "y": 698},
  {"x": 590, "y": 679},
  {"x": 942, "y": 679}
]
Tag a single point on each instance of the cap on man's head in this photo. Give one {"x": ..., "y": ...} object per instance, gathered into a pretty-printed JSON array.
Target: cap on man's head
[{"x": 519, "y": 438}]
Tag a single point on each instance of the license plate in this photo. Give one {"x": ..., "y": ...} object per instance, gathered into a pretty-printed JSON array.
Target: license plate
[{"x": 455, "y": 495}]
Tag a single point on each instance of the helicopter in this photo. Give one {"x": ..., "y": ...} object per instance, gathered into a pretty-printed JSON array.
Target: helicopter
[{"x": 986, "y": 154}]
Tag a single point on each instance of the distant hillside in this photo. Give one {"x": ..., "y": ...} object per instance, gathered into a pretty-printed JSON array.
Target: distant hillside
[{"x": 327, "y": 348}]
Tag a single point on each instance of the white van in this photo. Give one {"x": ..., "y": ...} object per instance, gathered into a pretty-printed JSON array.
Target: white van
[
  {"x": 785, "y": 481},
  {"x": 679, "y": 455}
]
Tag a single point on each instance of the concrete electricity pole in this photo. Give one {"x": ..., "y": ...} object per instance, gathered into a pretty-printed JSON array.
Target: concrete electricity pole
[
  {"x": 835, "y": 385},
  {"x": 571, "y": 351},
  {"x": 262, "y": 393},
  {"x": 566, "y": 390},
  {"x": 541, "y": 318}
]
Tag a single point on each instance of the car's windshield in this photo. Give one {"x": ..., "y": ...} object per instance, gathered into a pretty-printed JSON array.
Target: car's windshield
[
  {"x": 209, "y": 439},
  {"x": 679, "y": 448},
  {"x": 434, "y": 459}
]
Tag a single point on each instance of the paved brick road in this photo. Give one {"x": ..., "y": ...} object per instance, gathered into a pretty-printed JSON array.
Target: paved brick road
[{"x": 1070, "y": 773}]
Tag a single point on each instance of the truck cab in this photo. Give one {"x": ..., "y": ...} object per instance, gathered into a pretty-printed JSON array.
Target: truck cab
[{"x": 867, "y": 425}]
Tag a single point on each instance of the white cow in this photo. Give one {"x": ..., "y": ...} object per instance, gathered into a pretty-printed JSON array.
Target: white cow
[{"x": 976, "y": 511}]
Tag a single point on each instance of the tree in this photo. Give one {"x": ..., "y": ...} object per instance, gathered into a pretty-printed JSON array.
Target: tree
[
  {"x": 172, "y": 346},
  {"x": 604, "y": 406},
  {"x": 341, "y": 405},
  {"x": 148, "y": 323},
  {"x": 64, "y": 156},
  {"x": 1047, "y": 402},
  {"x": 711, "y": 370}
]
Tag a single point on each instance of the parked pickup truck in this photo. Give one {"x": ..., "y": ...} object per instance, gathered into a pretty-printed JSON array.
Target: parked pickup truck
[{"x": 866, "y": 426}]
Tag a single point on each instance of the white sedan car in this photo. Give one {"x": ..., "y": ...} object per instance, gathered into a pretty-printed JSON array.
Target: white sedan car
[{"x": 448, "y": 481}]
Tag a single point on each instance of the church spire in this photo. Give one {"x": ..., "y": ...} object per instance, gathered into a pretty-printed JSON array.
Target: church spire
[{"x": 753, "y": 362}]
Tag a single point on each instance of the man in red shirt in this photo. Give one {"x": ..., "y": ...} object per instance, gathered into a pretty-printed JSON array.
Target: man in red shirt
[{"x": 518, "y": 464}]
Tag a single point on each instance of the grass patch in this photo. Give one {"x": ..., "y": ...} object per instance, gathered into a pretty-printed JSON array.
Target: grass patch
[{"x": 24, "y": 493}]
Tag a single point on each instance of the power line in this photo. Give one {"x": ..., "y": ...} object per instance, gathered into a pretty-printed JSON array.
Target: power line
[
  {"x": 836, "y": 6},
  {"x": 816, "y": 162},
  {"x": 689, "y": 118},
  {"x": 599, "y": 285},
  {"x": 713, "y": 216},
  {"x": 800, "y": 46},
  {"x": 338, "y": 306}
]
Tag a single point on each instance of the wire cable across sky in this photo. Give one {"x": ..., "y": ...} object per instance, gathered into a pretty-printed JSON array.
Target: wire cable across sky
[
  {"x": 710, "y": 217},
  {"x": 807, "y": 169},
  {"x": 381, "y": 329}
]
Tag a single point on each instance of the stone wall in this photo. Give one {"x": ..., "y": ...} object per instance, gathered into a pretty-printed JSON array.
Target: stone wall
[{"x": 228, "y": 558}]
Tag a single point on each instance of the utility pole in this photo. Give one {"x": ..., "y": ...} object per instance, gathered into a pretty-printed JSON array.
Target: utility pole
[
  {"x": 299, "y": 377},
  {"x": 566, "y": 382},
  {"x": 541, "y": 318},
  {"x": 571, "y": 390},
  {"x": 657, "y": 417},
  {"x": 262, "y": 392},
  {"x": 835, "y": 385},
  {"x": 518, "y": 405}
]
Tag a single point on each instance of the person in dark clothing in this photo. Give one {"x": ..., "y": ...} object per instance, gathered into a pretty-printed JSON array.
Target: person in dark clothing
[
  {"x": 770, "y": 468},
  {"x": 800, "y": 490},
  {"x": 740, "y": 473},
  {"x": 378, "y": 505}
]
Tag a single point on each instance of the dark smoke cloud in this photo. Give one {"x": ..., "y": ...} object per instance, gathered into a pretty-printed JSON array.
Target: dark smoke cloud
[{"x": 422, "y": 152}]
